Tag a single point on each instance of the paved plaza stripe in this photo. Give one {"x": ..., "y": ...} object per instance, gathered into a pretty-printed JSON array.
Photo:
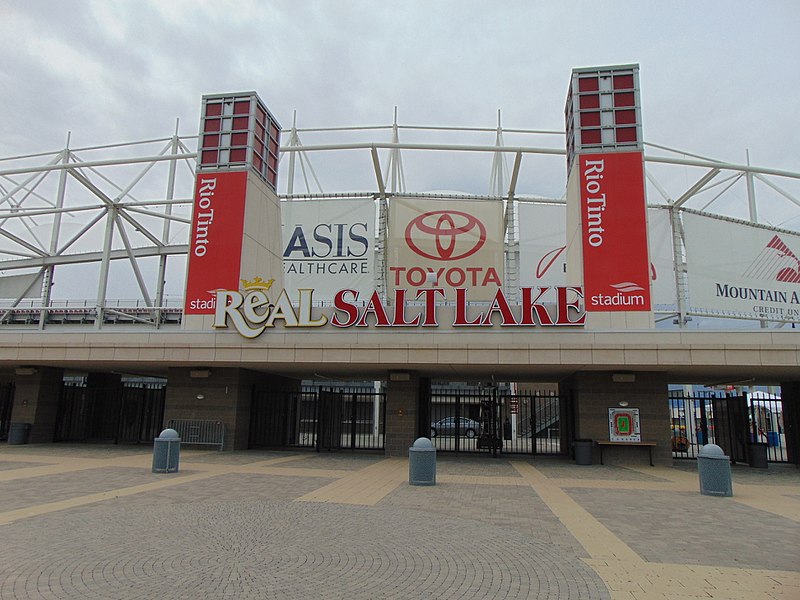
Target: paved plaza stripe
[
  {"x": 595, "y": 537},
  {"x": 629, "y": 577},
  {"x": 781, "y": 501},
  {"x": 367, "y": 486},
  {"x": 664, "y": 581},
  {"x": 482, "y": 480},
  {"x": 69, "y": 465},
  {"x": 49, "y": 507},
  {"x": 51, "y": 469},
  {"x": 660, "y": 486}
]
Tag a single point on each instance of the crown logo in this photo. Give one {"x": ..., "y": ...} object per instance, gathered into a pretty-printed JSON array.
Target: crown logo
[{"x": 257, "y": 284}]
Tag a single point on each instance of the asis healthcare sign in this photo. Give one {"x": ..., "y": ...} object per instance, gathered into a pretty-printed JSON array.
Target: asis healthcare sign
[
  {"x": 327, "y": 243},
  {"x": 215, "y": 251},
  {"x": 446, "y": 244},
  {"x": 616, "y": 267},
  {"x": 743, "y": 269}
]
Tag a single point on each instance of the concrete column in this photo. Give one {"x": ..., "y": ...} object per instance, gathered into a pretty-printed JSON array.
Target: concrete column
[
  {"x": 595, "y": 392},
  {"x": 403, "y": 399},
  {"x": 36, "y": 401},
  {"x": 223, "y": 394}
]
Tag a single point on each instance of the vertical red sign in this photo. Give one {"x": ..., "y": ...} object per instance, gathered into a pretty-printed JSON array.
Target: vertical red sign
[
  {"x": 616, "y": 266},
  {"x": 216, "y": 238}
]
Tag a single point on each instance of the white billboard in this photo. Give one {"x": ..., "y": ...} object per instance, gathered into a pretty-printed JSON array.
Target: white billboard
[
  {"x": 542, "y": 244},
  {"x": 328, "y": 245},
  {"x": 662, "y": 259},
  {"x": 21, "y": 286},
  {"x": 743, "y": 269}
]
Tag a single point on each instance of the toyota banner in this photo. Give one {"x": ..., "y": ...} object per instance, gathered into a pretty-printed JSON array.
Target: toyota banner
[{"x": 446, "y": 244}]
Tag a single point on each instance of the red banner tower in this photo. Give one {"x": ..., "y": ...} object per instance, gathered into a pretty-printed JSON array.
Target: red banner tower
[
  {"x": 607, "y": 247},
  {"x": 236, "y": 225}
]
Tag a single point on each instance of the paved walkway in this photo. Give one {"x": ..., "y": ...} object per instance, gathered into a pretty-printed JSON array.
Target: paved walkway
[{"x": 94, "y": 522}]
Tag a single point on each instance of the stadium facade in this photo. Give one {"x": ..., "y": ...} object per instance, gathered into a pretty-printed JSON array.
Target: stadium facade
[{"x": 590, "y": 297}]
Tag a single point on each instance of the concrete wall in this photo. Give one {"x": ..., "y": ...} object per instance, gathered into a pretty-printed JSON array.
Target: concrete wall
[
  {"x": 595, "y": 392},
  {"x": 225, "y": 395},
  {"x": 402, "y": 412},
  {"x": 36, "y": 402}
]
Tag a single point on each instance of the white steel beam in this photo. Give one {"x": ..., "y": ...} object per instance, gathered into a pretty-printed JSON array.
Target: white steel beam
[{"x": 696, "y": 188}]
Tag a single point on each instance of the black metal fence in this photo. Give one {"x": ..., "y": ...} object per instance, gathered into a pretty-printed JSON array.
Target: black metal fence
[
  {"x": 132, "y": 412},
  {"x": 492, "y": 420},
  {"x": 731, "y": 422},
  {"x": 319, "y": 418}
]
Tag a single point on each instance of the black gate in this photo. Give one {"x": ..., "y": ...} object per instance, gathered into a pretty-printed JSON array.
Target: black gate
[
  {"x": 497, "y": 420},
  {"x": 6, "y": 404},
  {"x": 323, "y": 419},
  {"x": 132, "y": 412},
  {"x": 731, "y": 422}
]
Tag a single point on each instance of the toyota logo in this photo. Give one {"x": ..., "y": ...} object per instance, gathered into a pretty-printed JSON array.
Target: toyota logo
[{"x": 443, "y": 228}]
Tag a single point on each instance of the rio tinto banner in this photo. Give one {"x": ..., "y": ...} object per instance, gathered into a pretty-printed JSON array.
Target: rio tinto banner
[
  {"x": 543, "y": 243},
  {"x": 327, "y": 244},
  {"x": 616, "y": 267},
  {"x": 742, "y": 269},
  {"x": 215, "y": 251},
  {"x": 447, "y": 244}
]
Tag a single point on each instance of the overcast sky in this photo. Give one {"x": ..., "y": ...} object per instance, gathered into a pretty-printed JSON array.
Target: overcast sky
[{"x": 717, "y": 77}]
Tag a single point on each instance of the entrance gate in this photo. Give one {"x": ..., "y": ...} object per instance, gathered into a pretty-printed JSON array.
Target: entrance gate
[
  {"x": 731, "y": 422},
  {"x": 130, "y": 413},
  {"x": 495, "y": 420},
  {"x": 323, "y": 419}
]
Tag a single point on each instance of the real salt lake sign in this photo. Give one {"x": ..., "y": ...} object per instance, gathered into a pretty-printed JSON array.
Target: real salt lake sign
[{"x": 252, "y": 313}]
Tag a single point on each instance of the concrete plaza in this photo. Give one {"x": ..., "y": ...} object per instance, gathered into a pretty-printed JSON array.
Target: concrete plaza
[{"x": 95, "y": 522}]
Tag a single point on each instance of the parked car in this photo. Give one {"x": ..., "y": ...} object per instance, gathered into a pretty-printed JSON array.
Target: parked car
[{"x": 451, "y": 426}]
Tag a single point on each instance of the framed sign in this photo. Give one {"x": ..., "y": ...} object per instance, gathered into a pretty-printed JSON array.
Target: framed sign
[{"x": 623, "y": 425}]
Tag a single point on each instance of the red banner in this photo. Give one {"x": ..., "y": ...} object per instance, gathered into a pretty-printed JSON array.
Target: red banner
[
  {"x": 216, "y": 239},
  {"x": 616, "y": 267}
]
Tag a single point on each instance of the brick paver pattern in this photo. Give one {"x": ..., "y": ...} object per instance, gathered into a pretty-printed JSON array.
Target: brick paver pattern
[{"x": 93, "y": 522}]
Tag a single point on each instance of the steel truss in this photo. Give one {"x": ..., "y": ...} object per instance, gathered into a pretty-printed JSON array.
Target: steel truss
[{"x": 122, "y": 211}]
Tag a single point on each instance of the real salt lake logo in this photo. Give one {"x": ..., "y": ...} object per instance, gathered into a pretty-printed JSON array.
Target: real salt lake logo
[
  {"x": 257, "y": 283},
  {"x": 775, "y": 262},
  {"x": 454, "y": 234}
]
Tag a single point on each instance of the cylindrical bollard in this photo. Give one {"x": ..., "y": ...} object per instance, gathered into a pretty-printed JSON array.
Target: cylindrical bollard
[
  {"x": 166, "y": 452},
  {"x": 422, "y": 463},
  {"x": 714, "y": 469}
]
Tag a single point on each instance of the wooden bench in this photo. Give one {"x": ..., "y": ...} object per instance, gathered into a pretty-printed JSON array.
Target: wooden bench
[{"x": 602, "y": 444}]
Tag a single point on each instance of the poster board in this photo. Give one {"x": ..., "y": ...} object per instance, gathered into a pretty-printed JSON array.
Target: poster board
[{"x": 624, "y": 425}]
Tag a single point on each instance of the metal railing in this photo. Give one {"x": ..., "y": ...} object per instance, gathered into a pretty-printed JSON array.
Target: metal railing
[{"x": 201, "y": 433}]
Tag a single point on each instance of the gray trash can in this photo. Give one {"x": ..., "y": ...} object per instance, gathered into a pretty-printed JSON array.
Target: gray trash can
[
  {"x": 583, "y": 451},
  {"x": 18, "y": 433},
  {"x": 166, "y": 452},
  {"x": 714, "y": 469},
  {"x": 757, "y": 454},
  {"x": 422, "y": 463}
]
